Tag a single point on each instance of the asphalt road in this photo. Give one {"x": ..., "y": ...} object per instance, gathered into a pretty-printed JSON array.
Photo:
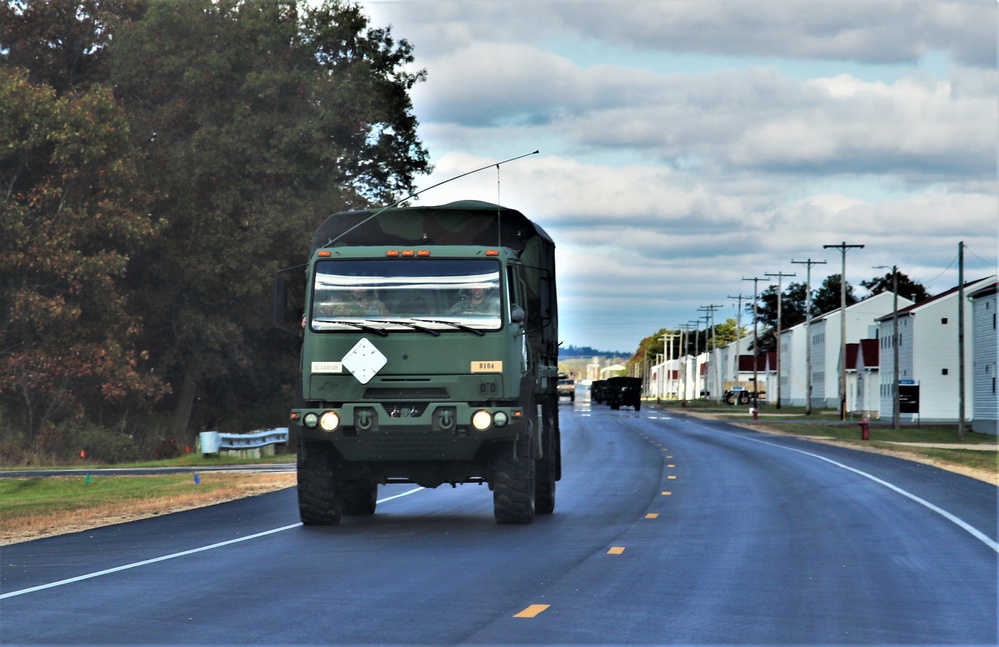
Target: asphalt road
[{"x": 667, "y": 530}]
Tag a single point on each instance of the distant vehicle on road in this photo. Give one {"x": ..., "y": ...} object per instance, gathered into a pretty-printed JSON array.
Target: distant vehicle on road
[
  {"x": 566, "y": 387},
  {"x": 624, "y": 391}
]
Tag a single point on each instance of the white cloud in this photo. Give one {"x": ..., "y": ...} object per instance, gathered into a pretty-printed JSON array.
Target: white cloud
[{"x": 685, "y": 145}]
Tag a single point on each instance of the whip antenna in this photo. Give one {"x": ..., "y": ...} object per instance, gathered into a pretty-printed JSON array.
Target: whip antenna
[{"x": 433, "y": 186}]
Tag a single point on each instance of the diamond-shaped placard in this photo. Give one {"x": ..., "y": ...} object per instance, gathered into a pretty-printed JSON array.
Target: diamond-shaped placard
[{"x": 364, "y": 361}]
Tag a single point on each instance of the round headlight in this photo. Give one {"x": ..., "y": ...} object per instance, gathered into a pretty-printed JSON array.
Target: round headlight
[
  {"x": 481, "y": 420},
  {"x": 500, "y": 419},
  {"x": 329, "y": 421},
  {"x": 311, "y": 420}
]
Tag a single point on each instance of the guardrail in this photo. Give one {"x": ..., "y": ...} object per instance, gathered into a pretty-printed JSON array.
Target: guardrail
[{"x": 212, "y": 442}]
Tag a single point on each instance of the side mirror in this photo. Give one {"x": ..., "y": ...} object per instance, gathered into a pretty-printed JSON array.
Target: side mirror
[
  {"x": 287, "y": 316},
  {"x": 280, "y": 300},
  {"x": 517, "y": 314}
]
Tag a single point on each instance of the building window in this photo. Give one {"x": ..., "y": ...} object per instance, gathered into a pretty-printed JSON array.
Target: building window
[
  {"x": 943, "y": 372},
  {"x": 943, "y": 320}
]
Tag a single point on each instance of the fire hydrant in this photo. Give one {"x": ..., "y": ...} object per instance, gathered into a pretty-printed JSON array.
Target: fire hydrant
[
  {"x": 755, "y": 412},
  {"x": 865, "y": 429}
]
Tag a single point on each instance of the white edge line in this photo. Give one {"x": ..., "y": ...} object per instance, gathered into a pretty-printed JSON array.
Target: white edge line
[
  {"x": 974, "y": 532},
  {"x": 146, "y": 562}
]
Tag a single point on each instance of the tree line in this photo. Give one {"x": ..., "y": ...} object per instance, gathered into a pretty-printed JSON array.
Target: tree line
[
  {"x": 794, "y": 308},
  {"x": 159, "y": 162}
]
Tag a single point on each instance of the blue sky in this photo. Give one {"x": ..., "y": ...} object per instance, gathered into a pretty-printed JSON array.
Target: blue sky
[{"x": 687, "y": 145}]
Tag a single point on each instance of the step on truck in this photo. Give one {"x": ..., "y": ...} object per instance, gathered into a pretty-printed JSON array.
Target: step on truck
[{"x": 429, "y": 356}]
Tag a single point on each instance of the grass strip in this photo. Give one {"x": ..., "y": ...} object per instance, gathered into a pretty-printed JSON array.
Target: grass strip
[{"x": 39, "y": 507}]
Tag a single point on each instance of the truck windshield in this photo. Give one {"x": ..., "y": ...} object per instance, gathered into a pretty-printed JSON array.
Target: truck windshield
[{"x": 388, "y": 295}]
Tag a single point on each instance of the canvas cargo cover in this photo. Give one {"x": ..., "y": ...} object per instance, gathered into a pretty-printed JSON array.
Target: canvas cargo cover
[{"x": 467, "y": 222}]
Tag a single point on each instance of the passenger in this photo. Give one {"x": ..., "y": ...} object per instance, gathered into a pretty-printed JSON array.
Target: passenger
[
  {"x": 478, "y": 301},
  {"x": 359, "y": 303}
]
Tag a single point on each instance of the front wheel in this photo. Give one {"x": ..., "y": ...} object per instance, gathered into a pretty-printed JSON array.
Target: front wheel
[
  {"x": 545, "y": 475},
  {"x": 513, "y": 485},
  {"x": 320, "y": 501}
]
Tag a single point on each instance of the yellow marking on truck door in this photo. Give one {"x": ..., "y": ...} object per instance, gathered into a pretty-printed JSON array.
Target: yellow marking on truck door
[{"x": 532, "y": 611}]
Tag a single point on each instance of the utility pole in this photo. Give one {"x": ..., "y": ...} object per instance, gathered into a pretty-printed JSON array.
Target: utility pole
[
  {"x": 669, "y": 336},
  {"x": 780, "y": 287},
  {"x": 756, "y": 346},
  {"x": 712, "y": 363},
  {"x": 738, "y": 331},
  {"x": 895, "y": 413},
  {"x": 682, "y": 395},
  {"x": 960, "y": 340},
  {"x": 697, "y": 354},
  {"x": 808, "y": 332},
  {"x": 842, "y": 327}
]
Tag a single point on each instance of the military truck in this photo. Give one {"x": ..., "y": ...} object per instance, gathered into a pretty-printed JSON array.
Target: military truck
[
  {"x": 429, "y": 356},
  {"x": 566, "y": 387},
  {"x": 624, "y": 392},
  {"x": 598, "y": 391}
]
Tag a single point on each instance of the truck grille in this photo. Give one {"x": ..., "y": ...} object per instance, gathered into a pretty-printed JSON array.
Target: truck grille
[{"x": 406, "y": 446}]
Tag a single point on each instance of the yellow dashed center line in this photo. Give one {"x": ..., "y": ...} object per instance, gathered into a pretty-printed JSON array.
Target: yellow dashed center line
[
  {"x": 532, "y": 611},
  {"x": 666, "y": 493},
  {"x": 672, "y": 478},
  {"x": 615, "y": 550},
  {"x": 652, "y": 515}
]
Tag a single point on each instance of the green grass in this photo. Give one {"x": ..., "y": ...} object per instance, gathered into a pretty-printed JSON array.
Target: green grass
[
  {"x": 188, "y": 460},
  {"x": 27, "y": 497}
]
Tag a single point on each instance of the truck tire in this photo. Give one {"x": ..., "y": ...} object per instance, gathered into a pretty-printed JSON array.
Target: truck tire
[
  {"x": 638, "y": 405},
  {"x": 546, "y": 473},
  {"x": 360, "y": 497},
  {"x": 513, "y": 486},
  {"x": 319, "y": 498}
]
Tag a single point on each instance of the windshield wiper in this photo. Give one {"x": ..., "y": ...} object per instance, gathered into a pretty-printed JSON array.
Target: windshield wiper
[
  {"x": 410, "y": 324},
  {"x": 454, "y": 324},
  {"x": 354, "y": 324}
]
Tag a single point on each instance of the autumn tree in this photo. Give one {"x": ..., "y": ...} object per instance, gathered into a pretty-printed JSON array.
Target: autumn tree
[
  {"x": 62, "y": 43},
  {"x": 68, "y": 222},
  {"x": 254, "y": 121}
]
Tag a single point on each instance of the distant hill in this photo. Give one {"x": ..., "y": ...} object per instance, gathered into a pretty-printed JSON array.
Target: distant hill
[{"x": 567, "y": 352}]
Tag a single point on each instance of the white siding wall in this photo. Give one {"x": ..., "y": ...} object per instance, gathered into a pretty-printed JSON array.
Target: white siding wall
[
  {"x": 986, "y": 396},
  {"x": 936, "y": 364},
  {"x": 792, "y": 365},
  {"x": 819, "y": 359}
]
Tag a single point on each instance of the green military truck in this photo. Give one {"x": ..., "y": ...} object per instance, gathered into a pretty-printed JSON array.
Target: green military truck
[{"x": 429, "y": 356}]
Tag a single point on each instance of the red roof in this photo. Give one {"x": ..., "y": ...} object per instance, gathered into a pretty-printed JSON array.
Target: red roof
[
  {"x": 871, "y": 353},
  {"x": 746, "y": 362}
]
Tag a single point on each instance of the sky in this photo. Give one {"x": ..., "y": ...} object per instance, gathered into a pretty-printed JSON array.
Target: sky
[{"x": 684, "y": 147}]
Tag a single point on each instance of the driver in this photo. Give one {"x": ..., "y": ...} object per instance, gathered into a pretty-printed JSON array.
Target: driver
[
  {"x": 477, "y": 301},
  {"x": 359, "y": 302}
]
